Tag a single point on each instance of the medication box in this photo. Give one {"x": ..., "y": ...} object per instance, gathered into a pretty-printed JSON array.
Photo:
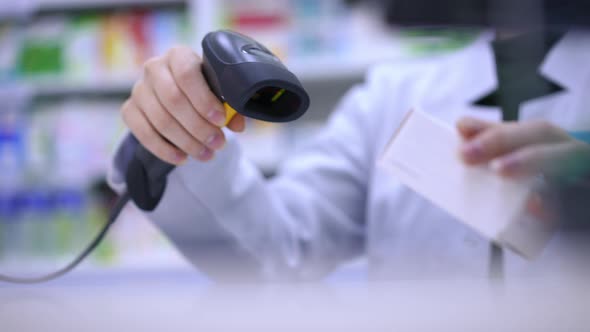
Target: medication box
[{"x": 424, "y": 155}]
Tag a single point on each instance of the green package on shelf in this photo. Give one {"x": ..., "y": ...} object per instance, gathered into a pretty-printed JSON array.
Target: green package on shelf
[{"x": 41, "y": 58}]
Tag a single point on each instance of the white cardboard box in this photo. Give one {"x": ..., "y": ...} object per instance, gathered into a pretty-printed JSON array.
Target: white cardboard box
[{"x": 424, "y": 155}]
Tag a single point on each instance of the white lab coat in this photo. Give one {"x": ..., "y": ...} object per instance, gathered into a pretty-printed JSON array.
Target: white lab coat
[{"x": 331, "y": 203}]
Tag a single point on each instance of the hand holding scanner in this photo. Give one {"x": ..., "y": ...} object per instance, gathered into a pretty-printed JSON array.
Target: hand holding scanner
[{"x": 248, "y": 79}]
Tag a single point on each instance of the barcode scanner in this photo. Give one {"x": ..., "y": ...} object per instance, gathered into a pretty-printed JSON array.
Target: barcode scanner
[{"x": 248, "y": 79}]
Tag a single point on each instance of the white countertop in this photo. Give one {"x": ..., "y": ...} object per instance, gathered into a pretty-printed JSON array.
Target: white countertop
[{"x": 176, "y": 302}]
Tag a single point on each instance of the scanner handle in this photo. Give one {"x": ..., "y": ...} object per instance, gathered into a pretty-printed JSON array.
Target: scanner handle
[
  {"x": 146, "y": 174},
  {"x": 146, "y": 178}
]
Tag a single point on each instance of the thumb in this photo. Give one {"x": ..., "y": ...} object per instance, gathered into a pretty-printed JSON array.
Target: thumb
[{"x": 469, "y": 127}]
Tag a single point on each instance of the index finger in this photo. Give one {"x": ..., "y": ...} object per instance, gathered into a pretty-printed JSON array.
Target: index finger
[
  {"x": 505, "y": 138},
  {"x": 185, "y": 66}
]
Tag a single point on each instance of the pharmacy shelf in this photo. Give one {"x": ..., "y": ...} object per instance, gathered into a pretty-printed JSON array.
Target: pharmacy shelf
[
  {"x": 59, "y": 88},
  {"x": 52, "y": 5},
  {"x": 308, "y": 70},
  {"x": 342, "y": 72},
  {"x": 26, "y": 8},
  {"x": 316, "y": 69},
  {"x": 329, "y": 67},
  {"x": 15, "y": 9},
  {"x": 312, "y": 70}
]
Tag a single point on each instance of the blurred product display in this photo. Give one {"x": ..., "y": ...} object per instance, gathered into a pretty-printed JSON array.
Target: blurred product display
[
  {"x": 292, "y": 28},
  {"x": 97, "y": 47}
]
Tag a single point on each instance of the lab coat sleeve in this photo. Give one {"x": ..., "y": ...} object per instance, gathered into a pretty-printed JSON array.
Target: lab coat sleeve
[{"x": 230, "y": 221}]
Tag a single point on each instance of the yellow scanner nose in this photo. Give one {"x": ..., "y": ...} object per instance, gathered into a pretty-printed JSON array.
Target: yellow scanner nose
[
  {"x": 266, "y": 97},
  {"x": 230, "y": 112}
]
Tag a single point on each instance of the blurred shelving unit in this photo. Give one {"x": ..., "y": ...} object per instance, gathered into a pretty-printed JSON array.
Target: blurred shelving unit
[
  {"x": 67, "y": 89},
  {"x": 25, "y": 8},
  {"x": 60, "y": 86},
  {"x": 13, "y": 10},
  {"x": 60, "y": 5},
  {"x": 205, "y": 15},
  {"x": 355, "y": 39},
  {"x": 54, "y": 155}
]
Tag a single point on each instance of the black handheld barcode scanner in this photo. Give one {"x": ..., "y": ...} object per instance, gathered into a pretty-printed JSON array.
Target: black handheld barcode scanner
[{"x": 248, "y": 79}]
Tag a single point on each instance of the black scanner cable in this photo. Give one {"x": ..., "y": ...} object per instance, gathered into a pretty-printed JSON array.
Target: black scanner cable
[
  {"x": 119, "y": 205},
  {"x": 146, "y": 180}
]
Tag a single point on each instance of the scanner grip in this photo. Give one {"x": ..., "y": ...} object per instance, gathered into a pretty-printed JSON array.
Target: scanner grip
[{"x": 146, "y": 178}]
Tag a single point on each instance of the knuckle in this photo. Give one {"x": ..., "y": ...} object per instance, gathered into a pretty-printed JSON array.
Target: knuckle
[
  {"x": 125, "y": 107},
  {"x": 495, "y": 140},
  {"x": 526, "y": 155},
  {"x": 211, "y": 102},
  {"x": 173, "y": 51},
  {"x": 163, "y": 122},
  {"x": 127, "y": 113},
  {"x": 174, "y": 96},
  {"x": 196, "y": 128},
  {"x": 150, "y": 66},
  {"x": 126, "y": 118},
  {"x": 181, "y": 52},
  {"x": 194, "y": 149},
  {"x": 559, "y": 133},
  {"x": 185, "y": 75},
  {"x": 547, "y": 128},
  {"x": 136, "y": 91},
  {"x": 543, "y": 126},
  {"x": 185, "y": 66},
  {"x": 187, "y": 144},
  {"x": 176, "y": 51}
]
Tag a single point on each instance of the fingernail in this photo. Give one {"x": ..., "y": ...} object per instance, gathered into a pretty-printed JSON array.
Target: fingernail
[
  {"x": 472, "y": 151},
  {"x": 471, "y": 124},
  {"x": 217, "y": 117},
  {"x": 215, "y": 142},
  {"x": 180, "y": 157},
  {"x": 205, "y": 154}
]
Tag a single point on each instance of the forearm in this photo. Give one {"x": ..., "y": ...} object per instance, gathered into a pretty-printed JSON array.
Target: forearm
[{"x": 226, "y": 218}]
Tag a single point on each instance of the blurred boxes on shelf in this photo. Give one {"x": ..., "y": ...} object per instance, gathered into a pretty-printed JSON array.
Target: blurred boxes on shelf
[
  {"x": 102, "y": 46},
  {"x": 291, "y": 28}
]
